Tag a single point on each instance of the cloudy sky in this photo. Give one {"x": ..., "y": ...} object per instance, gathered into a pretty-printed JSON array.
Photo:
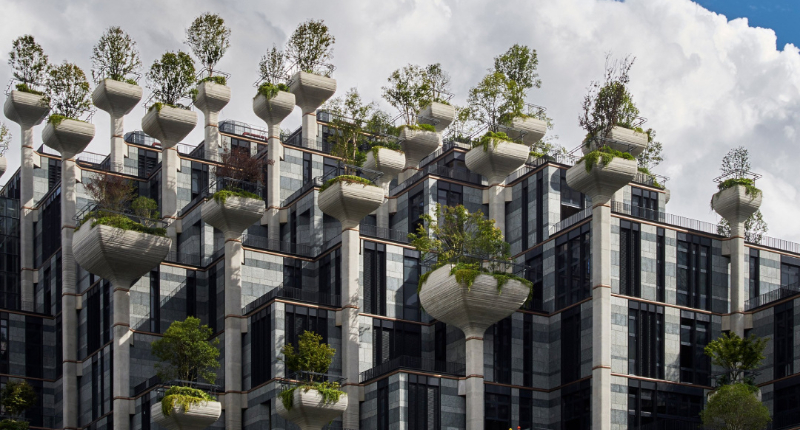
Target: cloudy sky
[{"x": 706, "y": 84}]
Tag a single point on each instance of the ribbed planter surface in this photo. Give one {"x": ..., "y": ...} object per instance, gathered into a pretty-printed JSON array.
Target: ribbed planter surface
[
  {"x": 309, "y": 411},
  {"x": 69, "y": 137},
  {"x": 121, "y": 256},
  {"x": 417, "y": 144},
  {"x": 234, "y": 216},
  {"x": 530, "y": 129},
  {"x": 734, "y": 204},
  {"x": 169, "y": 125},
  {"x": 472, "y": 310},
  {"x": 350, "y": 202},
  {"x": 438, "y": 115},
  {"x": 311, "y": 90},
  {"x": 25, "y": 109},
  {"x": 115, "y": 97},
  {"x": 388, "y": 161},
  {"x": 212, "y": 97},
  {"x": 627, "y": 140},
  {"x": 198, "y": 417},
  {"x": 603, "y": 180},
  {"x": 274, "y": 110},
  {"x": 3, "y": 165},
  {"x": 498, "y": 160}
]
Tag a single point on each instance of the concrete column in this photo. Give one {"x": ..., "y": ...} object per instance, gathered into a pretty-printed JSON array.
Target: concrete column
[
  {"x": 351, "y": 252},
  {"x": 497, "y": 206},
  {"x": 69, "y": 314},
  {"x": 601, "y": 315},
  {"x": 383, "y": 211},
  {"x": 474, "y": 383},
  {"x": 274, "y": 150},
  {"x": 213, "y": 141},
  {"x": 170, "y": 163},
  {"x": 26, "y": 218},
  {"x": 121, "y": 357},
  {"x": 118, "y": 147},
  {"x": 310, "y": 125},
  {"x": 738, "y": 291},
  {"x": 233, "y": 332}
]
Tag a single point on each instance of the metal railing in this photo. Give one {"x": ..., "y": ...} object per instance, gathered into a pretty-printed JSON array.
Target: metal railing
[
  {"x": 446, "y": 146},
  {"x": 294, "y": 294},
  {"x": 650, "y": 179},
  {"x": 243, "y": 129},
  {"x": 569, "y": 222},
  {"x": 347, "y": 169},
  {"x": 260, "y": 242},
  {"x": 192, "y": 151},
  {"x": 139, "y": 137},
  {"x": 383, "y": 233},
  {"x": 663, "y": 217},
  {"x": 457, "y": 173},
  {"x": 222, "y": 184},
  {"x": 405, "y": 362},
  {"x": 93, "y": 210},
  {"x": 769, "y": 297},
  {"x": 783, "y": 245}
]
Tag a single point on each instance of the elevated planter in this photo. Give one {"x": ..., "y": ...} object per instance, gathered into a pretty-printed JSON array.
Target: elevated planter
[
  {"x": 169, "y": 125},
  {"x": 309, "y": 411},
  {"x": 387, "y": 161},
  {"x": 198, "y": 417},
  {"x": 437, "y": 114},
  {"x": 621, "y": 139},
  {"x": 234, "y": 215},
  {"x": 529, "y": 129},
  {"x": 498, "y": 160},
  {"x": 311, "y": 90},
  {"x": 734, "y": 204},
  {"x": 471, "y": 309},
  {"x": 274, "y": 110},
  {"x": 350, "y": 202},
  {"x": 121, "y": 256},
  {"x": 212, "y": 97},
  {"x": 417, "y": 144},
  {"x": 602, "y": 181},
  {"x": 115, "y": 97},
  {"x": 26, "y": 109},
  {"x": 69, "y": 137}
]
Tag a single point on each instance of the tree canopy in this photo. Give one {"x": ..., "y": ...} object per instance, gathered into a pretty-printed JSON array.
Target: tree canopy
[
  {"x": 736, "y": 355},
  {"x": 311, "y": 355},
  {"x": 171, "y": 78},
  {"x": 310, "y": 48},
  {"x": 185, "y": 352},
  {"x": 209, "y": 39},
  {"x": 736, "y": 162},
  {"x": 754, "y": 227},
  {"x": 735, "y": 407},
  {"x": 17, "y": 397},
  {"x": 68, "y": 91},
  {"x": 5, "y": 138},
  {"x": 28, "y": 63},
  {"x": 116, "y": 57},
  {"x": 608, "y": 103},
  {"x": 272, "y": 68}
]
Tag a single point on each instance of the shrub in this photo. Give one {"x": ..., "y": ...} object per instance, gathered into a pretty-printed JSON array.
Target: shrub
[
  {"x": 608, "y": 103},
  {"x": 491, "y": 138},
  {"x": 171, "y": 78},
  {"x": 310, "y": 357},
  {"x": 186, "y": 353},
  {"x": 273, "y": 71},
  {"x": 111, "y": 192},
  {"x": 352, "y": 179},
  {"x": 310, "y": 48},
  {"x": 17, "y": 397},
  {"x": 604, "y": 154},
  {"x": 28, "y": 63},
  {"x": 116, "y": 57},
  {"x": 209, "y": 39},
  {"x": 8, "y": 424},
  {"x": 221, "y": 196},
  {"x": 748, "y": 184},
  {"x": 735, "y": 407},
  {"x": 68, "y": 91},
  {"x": 239, "y": 165},
  {"x": 269, "y": 90},
  {"x": 183, "y": 397}
]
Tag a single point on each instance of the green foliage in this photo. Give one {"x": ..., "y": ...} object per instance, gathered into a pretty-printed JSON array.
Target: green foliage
[
  {"x": 754, "y": 227},
  {"x": 5, "y": 138},
  {"x": 735, "y": 407},
  {"x": 221, "y": 80},
  {"x": 115, "y": 57},
  {"x": 748, "y": 184},
  {"x": 329, "y": 391},
  {"x": 26, "y": 89},
  {"x": 123, "y": 222},
  {"x": 185, "y": 397},
  {"x": 209, "y": 38},
  {"x": 17, "y": 397},
  {"x": 272, "y": 69},
  {"x": 419, "y": 127},
  {"x": 736, "y": 355},
  {"x": 145, "y": 208},
  {"x": 438, "y": 82},
  {"x": 28, "y": 62},
  {"x": 171, "y": 78},
  {"x": 466, "y": 273},
  {"x": 310, "y": 48},
  {"x": 487, "y": 100},
  {"x": 55, "y": 119},
  {"x": 221, "y": 196},
  {"x": 414, "y": 87},
  {"x": 186, "y": 353},
  {"x": 736, "y": 162},
  {"x": 111, "y": 192},
  {"x": 353, "y": 120},
  {"x": 310, "y": 356},
  {"x": 608, "y": 104},
  {"x": 352, "y": 179},
  {"x": 8, "y": 424},
  {"x": 68, "y": 91},
  {"x": 604, "y": 154},
  {"x": 493, "y": 138},
  {"x": 269, "y": 90},
  {"x": 651, "y": 156}
]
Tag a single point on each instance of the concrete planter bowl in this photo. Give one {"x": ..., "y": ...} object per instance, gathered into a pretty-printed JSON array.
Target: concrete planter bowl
[
  {"x": 310, "y": 90},
  {"x": 602, "y": 181},
  {"x": 472, "y": 310},
  {"x": 169, "y": 125},
  {"x": 212, "y": 97},
  {"x": 350, "y": 202},
  {"x": 26, "y": 109},
  {"x": 438, "y": 115},
  {"x": 529, "y": 129},
  {"x": 69, "y": 137},
  {"x": 499, "y": 159},
  {"x": 198, "y": 417},
  {"x": 417, "y": 144},
  {"x": 233, "y": 216},
  {"x": 734, "y": 204},
  {"x": 121, "y": 256},
  {"x": 309, "y": 411},
  {"x": 387, "y": 161},
  {"x": 115, "y": 97},
  {"x": 274, "y": 110},
  {"x": 627, "y": 140}
]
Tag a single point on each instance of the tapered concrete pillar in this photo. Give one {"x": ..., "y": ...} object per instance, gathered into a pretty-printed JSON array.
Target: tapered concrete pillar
[
  {"x": 474, "y": 383},
  {"x": 736, "y": 205},
  {"x": 416, "y": 144},
  {"x": 600, "y": 184},
  {"x": 27, "y": 110},
  {"x": 211, "y": 98},
  {"x": 310, "y": 92},
  {"x": 118, "y": 99},
  {"x": 390, "y": 163}
]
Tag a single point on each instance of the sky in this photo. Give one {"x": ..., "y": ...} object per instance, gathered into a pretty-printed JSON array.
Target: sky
[{"x": 705, "y": 83}]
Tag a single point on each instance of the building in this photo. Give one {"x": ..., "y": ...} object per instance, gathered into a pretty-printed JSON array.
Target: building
[{"x": 669, "y": 278}]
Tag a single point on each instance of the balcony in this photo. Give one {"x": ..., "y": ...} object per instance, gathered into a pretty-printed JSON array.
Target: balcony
[
  {"x": 663, "y": 218},
  {"x": 772, "y": 296},
  {"x": 383, "y": 233},
  {"x": 294, "y": 294},
  {"x": 260, "y": 242},
  {"x": 405, "y": 362},
  {"x": 456, "y": 173}
]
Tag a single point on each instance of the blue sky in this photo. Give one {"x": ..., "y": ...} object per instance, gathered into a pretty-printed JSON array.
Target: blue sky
[{"x": 779, "y": 15}]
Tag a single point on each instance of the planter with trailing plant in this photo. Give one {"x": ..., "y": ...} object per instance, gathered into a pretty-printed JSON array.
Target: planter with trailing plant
[
  {"x": 184, "y": 408},
  {"x": 627, "y": 140},
  {"x": 209, "y": 39},
  {"x": 388, "y": 161},
  {"x": 495, "y": 157},
  {"x": 310, "y": 410},
  {"x": 115, "y": 68},
  {"x": 737, "y": 199},
  {"x": 25, "y": 105},
  {"x": 439, "y": 115},
  {"x": 273, "y": 103},
  {"x": 311, "y": 90},
  {"x": 232, "y": 210},
  {"x": 529, "y": 129},
  {"x": 116, "y": 97},
  {"x": 417, "y": 142},
  {"x": 68, "y": 95},
  {"x": 171, "y": 79},
  {"x": 602, "y": 172},
  {"x": 349, "y": 199},
  {"x": 212, "y": 95},
  {"x": 67, "y": 136}
]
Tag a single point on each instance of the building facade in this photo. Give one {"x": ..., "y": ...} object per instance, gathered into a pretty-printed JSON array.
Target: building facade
[{"x": 669, "y": 296}]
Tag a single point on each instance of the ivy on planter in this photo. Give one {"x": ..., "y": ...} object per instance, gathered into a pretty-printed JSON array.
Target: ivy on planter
[
  {"x": 309, "y": 359},
  {"x": 351, "y": 179},
  {"x": 604, "y": 154},
  {"x": 185, "y": 397},
  {"x": 493, "y": 138}
]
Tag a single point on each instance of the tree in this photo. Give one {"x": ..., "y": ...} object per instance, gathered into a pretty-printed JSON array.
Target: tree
[
  {"x": 487, "y": 101},
  {"x": 736, "y": 355},
  {"x": 735, "y": 407},
  {"x": 311, "y": 355},
  {"x": 518, "y": 65},
  {"x": 185, "y": 352},
  {"x": 239, "y": 165},
  {"x": 438, "y": 82},
  {"x": 350, "y": 115},
  {"x": 272, "y": 67},
  {"x": 754, "y": 227},
  {"x": 116, "y": 57},
  {"x": 28, "y": 63},
  {"x": 736, "y": 162},
  {"x": 407, "y": 90},
  {"x": 310, "y": 48},
  {"x": 209, "y": 38},
  {"x": 111, "y": 192},
  {"x": 68, "y": 91},
  {"x": 17, "y": 397},
  {"x": 171, "y": 78},
  {"x": 651, "y": 156},
  {"x": 5, "y": 138},
  {"x": 608, "y": 103}
]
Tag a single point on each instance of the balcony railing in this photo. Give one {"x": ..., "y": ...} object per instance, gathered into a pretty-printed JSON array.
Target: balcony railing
[
  {"x": 772, "y": 296},
  {"x": 260, "y": 242},
  {"x": 243, "y": 129},
  {"x": 651, "y": 180},
  {"x": 190, "y": 151},
  {"x": 664, "y": 218},
  {"x": 456, "y": 173},
  {"x": 294, "y": 294},
  {"x": 406, "y": 362},
  {"x": 219, "y": 185},
  {"x": 569, "y": 222},
  {"x": 783, "y": 245},
  {"x": 383, "y": 233}
]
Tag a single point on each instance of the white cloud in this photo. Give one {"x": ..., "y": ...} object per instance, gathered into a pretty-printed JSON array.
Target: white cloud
[{"x": 704, "y": 83}]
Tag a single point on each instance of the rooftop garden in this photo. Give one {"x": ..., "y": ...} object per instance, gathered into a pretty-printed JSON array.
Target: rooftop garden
[
  {"x": 412, "y": 88},
  {"x": 67, "y": 93},
  {"x": 239, "y": 174},
  {"x": 117, "y": 206}
]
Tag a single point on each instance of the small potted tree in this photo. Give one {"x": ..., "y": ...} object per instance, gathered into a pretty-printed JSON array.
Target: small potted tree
[
  {"x": 17, "y": 397},
  {"x": 518, "y": 66},
  {"x": 209, "y": 39},
  {"x": 68, "y": 96},
  {"x": 186, "y": 357},
  {"x": 26, "y": 105},
  {"x": 437, "y": 110},
  {"x": 171, "y": 79},
  {"x": 738, "y": 197},
  {"x": 235, "y": 205},
  {"x": 310, "y": 50},
  {"x": 273, "y": 101},
  {"x": 312, "y": 402},
  {"x": 5, "y": 140}
]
